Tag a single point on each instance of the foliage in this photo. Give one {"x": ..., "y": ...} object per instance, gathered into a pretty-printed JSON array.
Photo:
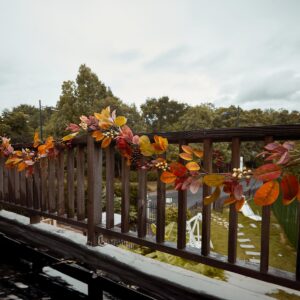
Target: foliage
[{"x": 161, "y": 114}]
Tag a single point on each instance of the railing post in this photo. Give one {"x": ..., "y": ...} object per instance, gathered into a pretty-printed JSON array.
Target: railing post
[
  {"x": 94, "y": 172},
  {"x": 206, "y": 210},
  {"x": 125, "y": 205},
  {"x": 51, "y": 186},
  {"x": 17, "y": 186},
  {"x": 36, "y": 187},
  {"x": 182, "y": 207},
  {"x": 233, "y": 217},
  {"x": 44, "y": 185},
  {"x": 265, "y": 231},
  {"x": 29, "y": 191}
]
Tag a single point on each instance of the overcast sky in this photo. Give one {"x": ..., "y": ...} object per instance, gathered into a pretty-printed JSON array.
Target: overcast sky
[{"x": 239, "y": 52}]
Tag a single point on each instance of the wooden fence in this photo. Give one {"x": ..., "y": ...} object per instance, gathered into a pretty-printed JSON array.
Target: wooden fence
[{"x": 79, "y": 202}]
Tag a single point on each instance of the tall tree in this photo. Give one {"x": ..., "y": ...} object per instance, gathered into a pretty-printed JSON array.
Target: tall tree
[{"x": 162, "y": 114}]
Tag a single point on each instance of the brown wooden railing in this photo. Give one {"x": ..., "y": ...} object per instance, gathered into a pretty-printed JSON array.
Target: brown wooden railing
[{"x": 79, "y": 202}]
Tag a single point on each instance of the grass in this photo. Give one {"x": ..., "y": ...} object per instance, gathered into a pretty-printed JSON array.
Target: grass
[
  {"x": 282, "y": 295},
  {"x": 282, "y": 254}
]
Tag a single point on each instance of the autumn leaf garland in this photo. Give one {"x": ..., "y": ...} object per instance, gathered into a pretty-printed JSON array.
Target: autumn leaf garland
[{"x": 187, "y": 173}]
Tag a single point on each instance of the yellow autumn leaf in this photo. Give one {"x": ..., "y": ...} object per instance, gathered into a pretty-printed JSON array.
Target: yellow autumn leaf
[
  {"x": 186, "y": 156},
  {"x": 213, "y": 197},
  {"x": 192, "y": 166},
  {"x": 187, "y": 149},
  {"x": 120, "y": 121},
  {"x": 69, "y": 137},
  {"x": 213, "y": 179},
  {"x": 106, "y": 142}
]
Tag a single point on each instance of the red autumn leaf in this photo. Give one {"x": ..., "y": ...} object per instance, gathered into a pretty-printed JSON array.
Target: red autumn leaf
[
  {"x": 267, "y": 172},
  {"x": 267, "y": 193},
  {"x": 178, "y": 169},
  {"x": 229, "y": 200},
  {"x": 238, "y": 192},
  {"x": 167, "y": 177},
  {"x": 289, "y": 187}
]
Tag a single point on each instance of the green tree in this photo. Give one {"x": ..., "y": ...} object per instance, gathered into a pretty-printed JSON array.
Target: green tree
[
  {"x": 197, "y": 117},
  {"x": 162, "y": 114},
  {"x": 84, "y": 97}
]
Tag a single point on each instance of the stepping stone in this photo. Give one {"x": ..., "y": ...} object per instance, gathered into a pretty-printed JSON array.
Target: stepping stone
[
  {"x": 253, "y": 225},
  {"x": 254, "y": 260},
  {"x": 240, "y": 233},
  {"x": 246, "y": 246},
  {"x": 244, "y": 240},
  {"x": 252, "y": 253},
  {"x": 241, "y": 225}
]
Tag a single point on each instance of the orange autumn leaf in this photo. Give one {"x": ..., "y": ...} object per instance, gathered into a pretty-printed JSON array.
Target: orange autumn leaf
[
  {"x": 160, "y": 145},
  {"x": 267, "y": 172},
  {"x": 214, "y": 179},
  {"x": 198, "y": 153},
  {"x": 22, "y": 166},
  {"x": 192, "y": 166},
  {"x": 239, "y": 204},
  {"x": 289, "y": 187},
  {"x": 36, "y": 140},
  {"x": 106, "y": 142},
  {"x": 213, "y": 197},
  {"x": 187, "y": 149},
  {"x": 98, "y": 135},
  {"x": 178, "y": 169},
  {"x": 167, "y": 177},
  {"x": 186, "y": 156},
  {"x": 267, "y": 193}
]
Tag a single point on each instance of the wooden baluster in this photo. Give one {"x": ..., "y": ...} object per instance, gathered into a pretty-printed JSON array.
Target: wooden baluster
[
  {"x": 142, "y": 202},
  {"x": 70, "y": 183},
  {"x": 265, "y": 230},
  {"x": 80, "y": 198},
  {"x": 206, "y": 210},
  {"x": 161, "y": 209},
  {"x": 110, "y": 177},
  {"x": 29, "y": 191},
  {"x": 2, "y": 178},
  {"x": 5, "y": 184},
  {"x": 11, "y": 192},
  {"x": 94, "y": 172},
  {"x": 182, "y": 208},
  {"x": 233, "y": 217},
  {"x": 44, "y": 183},
  {"x": 125, "y": 205},
  {"x": 36, "y": 187},
  {"x": 51, "y": 186},
  {"x": 23, "y": 188},
  {"x": 17, "y": 186},
  {"x": 60, "y": 170}
]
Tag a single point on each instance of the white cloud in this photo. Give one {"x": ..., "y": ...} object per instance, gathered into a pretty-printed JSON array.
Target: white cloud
[{"x": 244, "y": 53}]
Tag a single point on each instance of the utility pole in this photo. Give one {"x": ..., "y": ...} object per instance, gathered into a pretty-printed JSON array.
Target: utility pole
[{"x": 41, "y": 120}]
